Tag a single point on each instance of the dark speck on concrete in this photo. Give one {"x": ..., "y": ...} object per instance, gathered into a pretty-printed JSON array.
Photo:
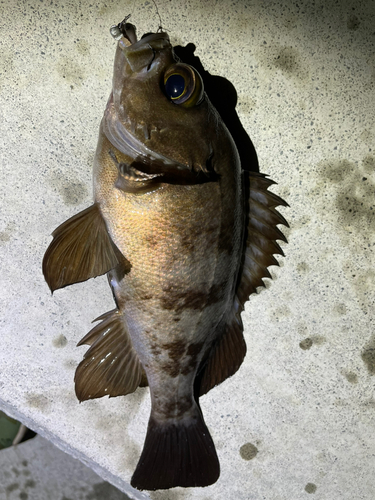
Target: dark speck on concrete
[
  {"x": 248, "y": 451},
  {"x": 59, "y": 341},
  {"x": 368, "y": 357},
  {"x": 310, "y": 488},
  {"x": 351, "y": 377},
  {"x": 105, "y": 490},
  {"x": 306, "y": 344},
  {"x": 353, "y": 23},
  {"x": 12, "y": 487}
]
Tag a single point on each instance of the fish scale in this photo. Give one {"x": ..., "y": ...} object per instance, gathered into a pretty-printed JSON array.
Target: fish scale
[{"x": 184, "y": 236}]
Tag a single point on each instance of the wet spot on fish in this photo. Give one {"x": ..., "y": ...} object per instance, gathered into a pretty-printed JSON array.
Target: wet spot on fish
[
  {"x": 74, "y": 193},
  {"x": 248, "y": 451},
  {"x": 351, "y": 377},
  {"x": 310, "y": 488},
  {"x": 38, "y": 401},
  {"x": 25, "y": 463},
  {"x": 302, "y": 268},
  {"x": 306, "y": 344},
  {"x": 368, "y": 356},
  {"x": 30, "y": 483},
  {"x": 70, "y": 70},
  {"x": 59, "y": 341},
  {"x": 353, "y": 22}
]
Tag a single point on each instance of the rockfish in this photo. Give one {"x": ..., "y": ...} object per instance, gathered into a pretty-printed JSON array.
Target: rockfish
[{"x": 185, "y": 236}]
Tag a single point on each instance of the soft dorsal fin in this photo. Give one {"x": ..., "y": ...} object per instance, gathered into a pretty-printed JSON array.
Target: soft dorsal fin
[
  {"x": 81, "y": 249},
  {"x": 111, "y": 366},
  {"x": 226, "y": 357},
  {"x": 261, "y": 235}
]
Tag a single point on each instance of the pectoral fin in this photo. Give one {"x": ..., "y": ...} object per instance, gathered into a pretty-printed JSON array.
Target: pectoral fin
[
  {"x": 81, "y": 249},
  {"x": 111, "y": 366}
]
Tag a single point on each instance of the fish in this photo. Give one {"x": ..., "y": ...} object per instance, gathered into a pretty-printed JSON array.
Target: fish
[{"x": 185, "y": 236}]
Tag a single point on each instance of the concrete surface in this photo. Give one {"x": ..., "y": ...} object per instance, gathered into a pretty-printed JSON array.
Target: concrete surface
[
  {"x": 298, "y": 419},
  {"x": 37, "y": 470}
]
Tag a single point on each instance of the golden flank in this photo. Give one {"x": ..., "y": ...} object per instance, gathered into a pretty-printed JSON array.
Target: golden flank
[{"x": 184, "y": 236}]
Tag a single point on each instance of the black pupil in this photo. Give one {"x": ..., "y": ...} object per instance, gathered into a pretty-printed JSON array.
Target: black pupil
[{"x": 175, "y": 86}]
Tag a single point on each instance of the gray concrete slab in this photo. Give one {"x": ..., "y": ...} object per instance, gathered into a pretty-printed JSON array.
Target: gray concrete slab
[
  {"x": 37, "y": 470},
  {"x": 298, "y": 417}
]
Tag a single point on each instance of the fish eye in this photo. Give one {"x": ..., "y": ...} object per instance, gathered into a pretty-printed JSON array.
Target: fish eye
[{"x": 183, "y": 85}]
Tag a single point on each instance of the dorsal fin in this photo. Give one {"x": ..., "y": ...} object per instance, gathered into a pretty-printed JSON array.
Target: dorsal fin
[
  {"x": 81, "y": 249},
  {"x": 261, "y": 235},
  {"x": 226, "y": 357}
]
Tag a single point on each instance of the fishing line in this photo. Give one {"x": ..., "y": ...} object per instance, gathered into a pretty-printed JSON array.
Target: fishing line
[{"x": 157, "y": 12}]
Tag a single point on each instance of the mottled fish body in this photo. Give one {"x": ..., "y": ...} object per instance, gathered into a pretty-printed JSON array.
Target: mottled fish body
[{"x": 183, "y": 250}]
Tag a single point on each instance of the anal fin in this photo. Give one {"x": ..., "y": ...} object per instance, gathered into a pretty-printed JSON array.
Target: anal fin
[
  {"x": 81, "y": 249},
  {"x": 111, "y": 366}
]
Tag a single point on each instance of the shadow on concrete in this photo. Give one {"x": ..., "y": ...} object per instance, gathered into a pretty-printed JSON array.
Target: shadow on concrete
[{"x": 223, "y": 96}]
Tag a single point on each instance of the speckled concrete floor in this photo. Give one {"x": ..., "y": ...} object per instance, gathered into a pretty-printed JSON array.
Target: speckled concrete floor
[
  {"x": 37, "y": 470},
  {"x": 298, "y": 418}
]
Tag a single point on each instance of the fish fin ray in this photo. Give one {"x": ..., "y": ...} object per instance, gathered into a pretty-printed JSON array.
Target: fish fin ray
[
  {"x": 81, "y": 249},
  {"x": 226, "y": 356},
  {"x": 177, "y": 453},
  {"x": 262, "y": 233},
  {"x": 111, "y": 366}
]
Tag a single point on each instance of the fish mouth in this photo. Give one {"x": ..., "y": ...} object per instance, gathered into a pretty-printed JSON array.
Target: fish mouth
[
  {"x": 149, "y": 161},
  {"x": 122, "y": 132},
  {"x": 129, "y": 144}
]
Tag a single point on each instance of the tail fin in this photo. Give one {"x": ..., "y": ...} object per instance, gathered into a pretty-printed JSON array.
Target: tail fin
[{"x": 177, "y": 453}]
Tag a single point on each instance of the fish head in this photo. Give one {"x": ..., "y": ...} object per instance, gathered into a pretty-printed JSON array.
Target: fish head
[{"x": 158, "y": 112}]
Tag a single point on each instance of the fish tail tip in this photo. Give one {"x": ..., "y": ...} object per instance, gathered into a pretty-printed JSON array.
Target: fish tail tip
[{"x": 177, "y": 454}]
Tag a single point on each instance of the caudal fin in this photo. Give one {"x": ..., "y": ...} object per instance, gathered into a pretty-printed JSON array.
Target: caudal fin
[{"x": 178, "y": 453}]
